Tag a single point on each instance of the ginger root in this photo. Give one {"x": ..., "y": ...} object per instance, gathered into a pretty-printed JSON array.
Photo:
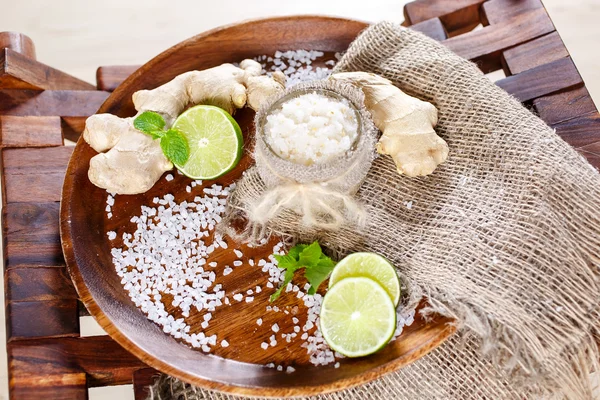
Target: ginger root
[
  {"x": 134, "y": 161},
  {"x": 131, "y": 162},
  {"x": 406, "y": 124},
  {"x": 225, "y": 86}
]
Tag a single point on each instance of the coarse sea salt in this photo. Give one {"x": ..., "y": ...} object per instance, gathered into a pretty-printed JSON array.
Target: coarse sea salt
[{"x": 311, "y": 129}]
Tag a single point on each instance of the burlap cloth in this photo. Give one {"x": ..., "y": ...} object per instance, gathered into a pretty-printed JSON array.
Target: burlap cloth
[{"x": 505, "y": 237}]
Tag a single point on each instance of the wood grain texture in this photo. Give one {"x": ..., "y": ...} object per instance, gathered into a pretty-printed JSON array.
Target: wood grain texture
[
  {"x": 18, "y": 71},
  {"x": 38, "y": 284},
  {"x": 458, "y": 16},
  {"x": 31, "y": 235},
  {"x": 484, "y": 46},
  {"x": 34, "y": 173},
  {"x": 533, "y": 54},
  {"x": 72, "y": 127},
  {"x": 497, "y": 11},
  {"x": 580, "y": 132},
  {"x": 34, "y": 319},
  {"x": 30, "y": 131},
  {"x": 239, "y": 367},
  {"x": 99, "y": 357},
  {"x": 432, "y": 28},
  {"x": 62, "y": 103},
  {"x": 110, "y": 76},
  {"x": 17, "y": 42},
  {"x": 543, "y": 80},
  {"x": 565, "y": 106}
]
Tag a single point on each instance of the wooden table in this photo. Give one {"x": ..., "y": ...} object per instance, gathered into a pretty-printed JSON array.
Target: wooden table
[{"x": 40, "y": 107}]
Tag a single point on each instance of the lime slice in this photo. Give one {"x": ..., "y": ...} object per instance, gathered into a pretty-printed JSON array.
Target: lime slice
[
  {"x": 369, "y": 265},
  {"x": 215, "y": 141},
  {"x": 357, "y": 317}
]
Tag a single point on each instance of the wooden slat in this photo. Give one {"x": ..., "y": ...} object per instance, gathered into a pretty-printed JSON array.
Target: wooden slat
[
  {"x": 18, "y": 42},
  {"x": 458, "y": 16},
  {"x": 34, "y": 75},
  {"x": 532, "y": 54},
  {"x": 103, "y": 360},
  {"x": 66, "y": 386},
  {"x": 38, "y": 284},
  {"x": 543, "y": 80},
  {"x": 30, "y": 131},
  {"x": 432, "y": 28},
  {"x": 484, "y": 45},
  {"x": 72, "y": 127},
  {"x": 62, "y": 103},
  {"x": 110, "y": 76},
  {"x": 565, "y": 106},
  {"x": 580, "y": 132},
  {"x": 34, "y": 173},
  {"x": 143, "y": 378},
  {"x": 592, "y": 153},
  {"x": 497, "y": 11},
  {"x": 34, "y": 319}
]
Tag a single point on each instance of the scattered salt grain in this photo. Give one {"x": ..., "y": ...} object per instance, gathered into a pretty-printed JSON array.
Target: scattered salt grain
[
  {"x": 275, "y": 328},
  {"x": 259, "y": 322},
  {"x": 238, "y": 297},
  {"x": 249, "y": 299},
  {"x": 169, "y": 178},
  {"x": 227, "y": 271},
  {"x": 237, "y": 263},
  {"x": 224, "y": 343},
  {"x": 289, "y": 370},
  {"x": 264, "y": 345},
  {"x": 238, "y": 253}
]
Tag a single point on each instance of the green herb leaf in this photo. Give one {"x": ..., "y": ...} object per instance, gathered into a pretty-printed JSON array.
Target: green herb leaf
[
  {"x": 317, "y": 273},
  {"x": 175, "y": 147},
  {"x": 317, "y": 266},
  {"x": 149, "y": 122}
]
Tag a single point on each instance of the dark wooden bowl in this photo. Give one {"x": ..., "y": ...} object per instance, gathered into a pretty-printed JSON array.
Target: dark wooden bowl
[{"x": 239, "y": 368}]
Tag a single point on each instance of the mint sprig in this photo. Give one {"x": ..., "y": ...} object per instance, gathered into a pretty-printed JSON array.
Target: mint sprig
[
  {"x": 317, "y": 266},
  {"x": 172, "y": 142}
]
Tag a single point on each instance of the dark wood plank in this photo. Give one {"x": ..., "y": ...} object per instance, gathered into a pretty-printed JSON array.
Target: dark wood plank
[
  {"x": 496, "y": 11},
  {"x": 432, "y": 28},
  {"x": 592, "y": 153},
  {"x": 72, "y": 127},
  {"x": 110, "y": 76},
  {"x": 67, "y": 386},
  {"x": 543, "y": 80},
  {"x": 62, "y": 103},
  {"x": 484, "y": 46},
  {"x": 103, "y": 360},
  {"x": 38, "y": 284},
  {"x": 565, "y": 106},
  {"x": 18, "y": 42},
  {"x": 30, "y": 131},
  {"x": 143, "y": 378},
  {"x": 532, "y": 54},
  {"x": 580, "y": 132},
  {"x": 457, "y": 16},
  {"x": 34, "y": 319},
  {"x": 34, "y": 173},
  {"x": 35, "y": 75}
]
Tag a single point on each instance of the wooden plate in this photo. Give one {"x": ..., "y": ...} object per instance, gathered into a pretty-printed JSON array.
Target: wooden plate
[{"x": 238, "y": 368}]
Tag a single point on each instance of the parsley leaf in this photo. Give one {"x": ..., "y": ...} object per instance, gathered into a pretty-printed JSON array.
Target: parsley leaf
[
  {"x": 175, "y": 147},
  {"x": 149, "y": 122},
  {"x": 317, "y": 266}
]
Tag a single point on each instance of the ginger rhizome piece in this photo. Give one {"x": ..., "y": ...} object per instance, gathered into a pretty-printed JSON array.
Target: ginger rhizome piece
[
  {"x": 406, "y": 124},
  {"x": 131, "y": 162},
  {"x": 225, "y": 86}
]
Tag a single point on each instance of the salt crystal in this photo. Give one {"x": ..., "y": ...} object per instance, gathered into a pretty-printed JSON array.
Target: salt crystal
[
  {"x": 264, "y": 345},
  {"x": 259, "y": 322},
  {"x": 275, "y": 328},
  {"x": 169, "y": 178},
  {"x": 224, "y": 343},
  {"x": 238, "y": 253}
]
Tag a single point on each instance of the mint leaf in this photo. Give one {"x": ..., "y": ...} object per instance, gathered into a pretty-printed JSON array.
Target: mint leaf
[
  {"x": 310, "y": 255},
  {"x": 296, "y": 250},
  {"x": 317, "y": 266},
  {"x": 149, "y": 122},
  {"x": 175, "y": 147},
  {"x": 289, "y": 275},
  {"x": 317, "y": 273}
]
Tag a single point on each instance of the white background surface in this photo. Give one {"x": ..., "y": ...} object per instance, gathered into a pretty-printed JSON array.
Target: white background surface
[{"x": 77, "y": 36}]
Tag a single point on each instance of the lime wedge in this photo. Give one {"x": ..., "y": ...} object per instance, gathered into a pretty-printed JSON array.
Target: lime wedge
[
  {"x": 215, "y": 141},
  {"x": 357, "y": 317},
  {"x": 369, "y": 265}
]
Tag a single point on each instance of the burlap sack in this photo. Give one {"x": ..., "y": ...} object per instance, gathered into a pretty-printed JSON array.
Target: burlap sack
[
  {"x": 318, "y": 196},
  {"x": 504, "y": 237}
]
